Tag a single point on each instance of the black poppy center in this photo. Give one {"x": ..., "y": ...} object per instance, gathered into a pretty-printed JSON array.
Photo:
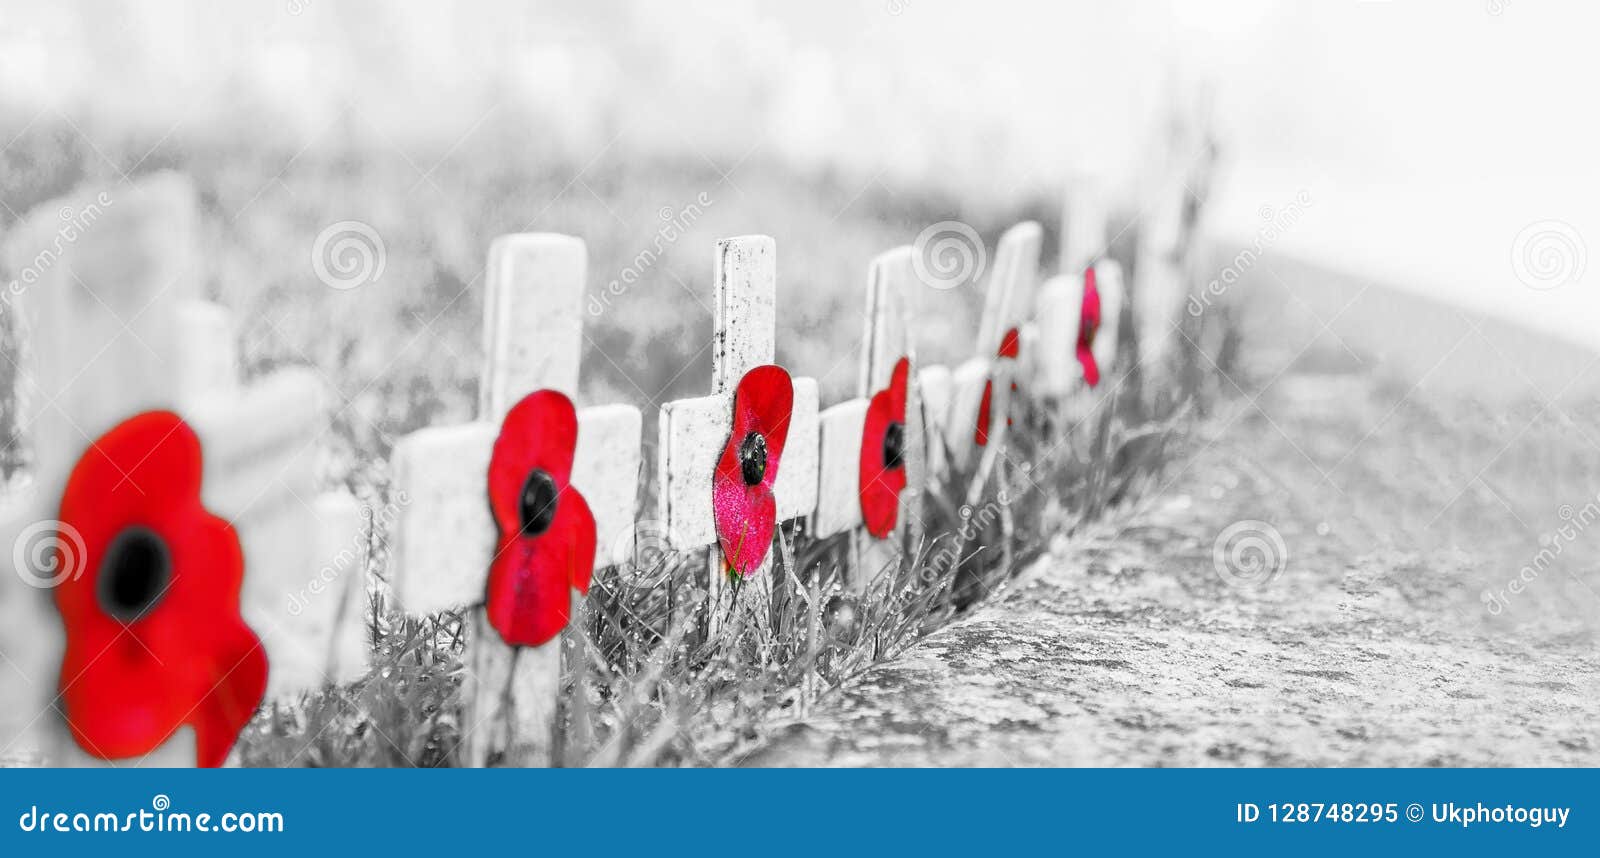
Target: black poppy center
[
  {"x": 894, "y": 445},
  {"x": 134, "y": 574},
  {"x": 753, "y": 458},
  {"x": 537, "y": 505}
]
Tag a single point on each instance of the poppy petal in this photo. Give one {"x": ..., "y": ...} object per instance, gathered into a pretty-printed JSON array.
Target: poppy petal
[
  {"x": 1091, "y": 369},
  {"x": 546, "y": 542},
  {"x": 574, "y": 520},
  {"x": 742, "y": 500},
  {"x": 529, "y": 602},
  {"x": 539, "y": 432},
  {"x": 1010, "y": 344},
  {"x": 1010, "y": 347},
  {"x": 1088, "y": 327},
  {"x": 763, "y": 402},
  {"x": 881, "y": 480},
  {"x": 981, "y": 436},
  {"x": 746, "y": 521},
  {"x": 154, "y": 638},
  {"x": 899, "y": 385}
]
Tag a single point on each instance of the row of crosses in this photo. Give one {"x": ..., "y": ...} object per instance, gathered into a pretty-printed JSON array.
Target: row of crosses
[{"x": 189, "y": 495}]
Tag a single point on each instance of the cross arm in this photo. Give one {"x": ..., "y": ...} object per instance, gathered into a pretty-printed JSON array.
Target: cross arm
[
  {"x": 445, "y": 535},
  {"x": 838, "y": 477}
]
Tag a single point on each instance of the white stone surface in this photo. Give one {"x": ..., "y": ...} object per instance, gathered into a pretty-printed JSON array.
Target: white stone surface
[
  {"x": 839, "y": 478},
  {"x": 209, "y": 362},
  {"x": 533, "y": 326},
  {"x": 1053, "y": 362},
  {"x": 693, "y": 433},
  {"x": 1083, "y": 231},
  {"x": 934, "y": 390},
  {"x": 966, "y": 398},
  {"x": 315, "y": 631},
  {"x": 796, "y": 486},
  {"x": 745, "y": 332},
  {"x": 1113, "y": 292},
  {"x": 605, "y": 470},
  {"x": 101, "y": 316},
  {"x": 258, "y": 446},
  {"x": 444, "y": 536},
  {"x": 888, "y": 334}
]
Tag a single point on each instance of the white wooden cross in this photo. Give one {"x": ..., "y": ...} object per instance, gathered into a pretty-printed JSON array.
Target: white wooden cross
[
  {"x": 928, "y": 408},
  {"x": 108, "y": 339},
  {"x": 1183, "y": 159},
  {"x": 885, "y": 340},
  {"x": 1008, "y": 305},
  {"x": 933, "y": 391},
  {"x": 313, "y": 622},
  {"x": 1059, "y": 310},
  {"x": 694, "y": 431},
  {"x": 445, "y": 536},
  {"x": 209, "y": 365},
  {"x": 260, "y": 447},
  {"x": 1158, "y": 299}
]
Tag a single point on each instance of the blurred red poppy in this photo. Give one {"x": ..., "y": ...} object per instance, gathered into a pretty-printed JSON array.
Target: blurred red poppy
[
  {"x": 1010, "y": 347},
  {"x": 742, "y": 499},
  {"x": 547, "y": 537},
  {"x": 1088, "y": 326},
  {"x": 154, "y": 639},
  {"x": 883, "y": 440}
]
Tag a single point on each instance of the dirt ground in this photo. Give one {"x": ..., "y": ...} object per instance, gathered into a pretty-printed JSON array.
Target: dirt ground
[{"x": 1420, "y": 590}]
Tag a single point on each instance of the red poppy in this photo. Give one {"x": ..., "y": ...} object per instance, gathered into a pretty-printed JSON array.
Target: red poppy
[
  {"x": 746, "y": 511},
  {"x": 1088, "y": 326},
  {"x": 883, "y": 466},
  {"x": 154, "y": 636},
  {"x": 1010, "y": 347},
  {"x": 1010, "y": 344},
  {"x": 547, "y": 539}
]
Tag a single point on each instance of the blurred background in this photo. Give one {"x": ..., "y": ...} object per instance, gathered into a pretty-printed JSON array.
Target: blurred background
[
  {"x": 1422, "y": 140},
  {"x": 1397, "y": 221}
]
